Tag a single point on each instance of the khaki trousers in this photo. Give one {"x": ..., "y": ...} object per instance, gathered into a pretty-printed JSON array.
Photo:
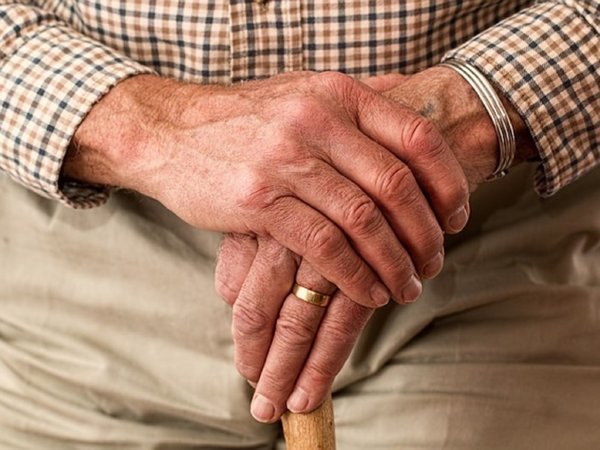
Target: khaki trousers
[{"x": 112, "y": 337}]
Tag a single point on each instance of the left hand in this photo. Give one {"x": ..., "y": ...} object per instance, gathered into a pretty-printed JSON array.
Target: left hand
[
  {"x": 275, "y": 357},
  {"x": 309, "y": 345}
]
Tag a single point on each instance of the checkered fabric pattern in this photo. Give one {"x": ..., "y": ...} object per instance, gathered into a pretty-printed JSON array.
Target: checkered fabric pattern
[
  {"x": 58, "y": 57},
  {"x": 546, "y": 61}
]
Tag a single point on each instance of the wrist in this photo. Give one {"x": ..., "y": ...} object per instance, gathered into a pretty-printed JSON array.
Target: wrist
[
  {"x": 118, "y": 142},
  {"x": 466, "y": 125},
  {"x": 443, "y": 96}
]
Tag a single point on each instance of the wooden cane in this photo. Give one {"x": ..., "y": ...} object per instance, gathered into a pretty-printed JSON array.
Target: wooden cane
[{"x": 312, "y": 431}]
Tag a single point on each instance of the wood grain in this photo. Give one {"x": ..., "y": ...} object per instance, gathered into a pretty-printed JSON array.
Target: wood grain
[{"x": 312, "y": 431}]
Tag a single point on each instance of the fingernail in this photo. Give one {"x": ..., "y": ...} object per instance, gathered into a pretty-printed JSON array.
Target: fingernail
[
  {"x": 380, "y": 295},
  {"x": 262, "y": 409},
  {"x": 458, "y": 220},
  {"x": 298, "y": 401},
  {"x": 434, "y": 266},
  {"x": 412, "y": 290},
  {"x": 252, "y": 383}
]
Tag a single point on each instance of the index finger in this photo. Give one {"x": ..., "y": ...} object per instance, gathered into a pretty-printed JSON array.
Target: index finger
[{"x": 311, "y": 235}]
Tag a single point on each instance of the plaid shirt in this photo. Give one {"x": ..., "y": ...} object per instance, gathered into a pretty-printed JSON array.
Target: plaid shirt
[{"x": 58, "y": 57}]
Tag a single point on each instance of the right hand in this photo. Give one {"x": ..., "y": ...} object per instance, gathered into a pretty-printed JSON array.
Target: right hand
[
  {"x": 293, "y": 350},
  {"x": 354, "y": 183}
]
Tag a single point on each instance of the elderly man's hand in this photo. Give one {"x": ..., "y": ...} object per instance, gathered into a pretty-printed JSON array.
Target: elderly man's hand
[
  {"x": 274, "y": 332},
  {"x": 308, "y": 345},
  {"x": 333, "y": 171}
]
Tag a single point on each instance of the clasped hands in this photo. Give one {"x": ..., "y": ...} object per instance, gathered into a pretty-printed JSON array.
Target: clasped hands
[
  {"x": 397, "y": 189},
  {"x": 345, "y": 187}
]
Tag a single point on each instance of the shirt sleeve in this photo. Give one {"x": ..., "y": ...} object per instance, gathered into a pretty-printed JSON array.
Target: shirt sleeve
[
  {"x": 546, "y": 61},
  {"x": 50, "y": 77}
]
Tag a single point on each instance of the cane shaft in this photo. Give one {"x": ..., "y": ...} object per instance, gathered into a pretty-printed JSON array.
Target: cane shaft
[{"x": 312, "y": 431}]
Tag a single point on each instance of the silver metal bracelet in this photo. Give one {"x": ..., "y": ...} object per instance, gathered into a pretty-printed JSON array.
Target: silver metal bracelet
[{"x": 497, "y": 112}]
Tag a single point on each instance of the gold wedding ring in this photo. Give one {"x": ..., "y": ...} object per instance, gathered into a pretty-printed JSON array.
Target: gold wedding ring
[{"x": 310, "y": 296}]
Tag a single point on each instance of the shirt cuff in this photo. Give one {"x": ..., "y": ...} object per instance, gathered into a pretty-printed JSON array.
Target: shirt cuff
[
  {"x": 545, "y": 61},
  {"x": 48, "y": 83}
]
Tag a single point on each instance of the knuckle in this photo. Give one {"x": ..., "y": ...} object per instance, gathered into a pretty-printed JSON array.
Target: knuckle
[
  {"x": 276, "y": 254},
  {"x": 456, "y": 194},
  {"x": 273, "y": 383},
  {"x": 254, "y": 191},
  {"x": 324, "y": 240},
  {"x": 343, "y": 330},
  {"x": 463, "y": 190},
  {"x": 430, "y": 242},
  {"x": 363, "y": 216},
  {"x": 227, "y": 293},
  {"x": 294, "y": 331},
  {"x": 409, "y": 194},
  {"x": 286, "y": 143},
  {"x": 451, "y": 193},
  {"x": 259, "y": 193},
  {"x": 281, "y": 139},
  {"x": 247, "y": 370},
  {"x": 403, "y": 264},
  {"x": 321, "y": 373},
  {"x": 424, "y": 139},
  {"x": 393, "y": 180},
  {"x": 300, "y": 112},
  {"x": 231, "y": 244},
  {"x": 346, "y": 90},
  {"x": 354, "y": 275},
  {"x": 399, "y": 187},
  {"x": 308, "y": 276},
  {"x": 249, "y": 321},
  {"x": 435, "y": 238},
  {"x": 336, "y": 79}
]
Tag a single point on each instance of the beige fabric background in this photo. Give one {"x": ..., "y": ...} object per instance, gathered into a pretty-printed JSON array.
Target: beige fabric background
[{"x": 112, "y": 337}]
